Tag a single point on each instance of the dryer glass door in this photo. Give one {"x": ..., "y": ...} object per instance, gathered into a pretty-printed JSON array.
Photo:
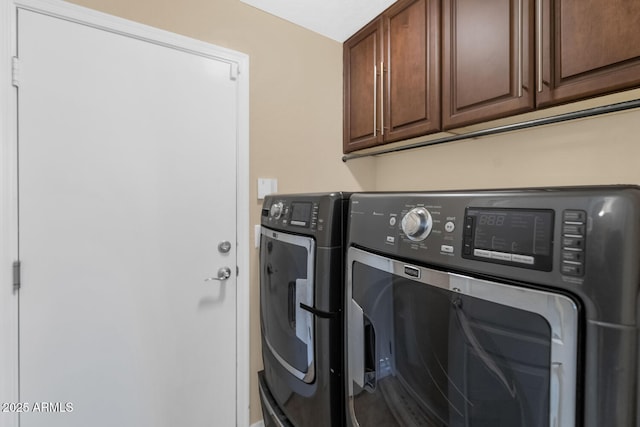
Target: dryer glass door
[
  {"x": 427, "y": 347},
  {"x": 286, "y": 281}
]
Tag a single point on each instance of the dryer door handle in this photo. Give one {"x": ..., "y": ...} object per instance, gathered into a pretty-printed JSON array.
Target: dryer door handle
[
  {"x": 319, "y": 313},
  {"x": 291, "y": 304}
]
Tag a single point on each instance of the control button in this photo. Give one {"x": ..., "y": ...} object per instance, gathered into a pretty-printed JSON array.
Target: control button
[
  {"x": 573, "y": 242},
  {"x": 468, "y": 226},
  {"x": 575, "y": 256},
  {"x": 466, "y": 249},
  {"x": 571, "y": 269},
  {"x": 449, "y": 227},
  {"x": 417, "y": 223},
  {"x": 523, "y": 259},
  {"x": 501, "y": 256},
  {"x": 276, "y": 210},
  {"x": 573, "y": 229},
  {"x": 447, "y": 249},
  {"x": 391, "y": 239},
  {"x": 574, "y": 216},
  {"x": 482, "y": 253},
  {"x": 392, "y": 221}
]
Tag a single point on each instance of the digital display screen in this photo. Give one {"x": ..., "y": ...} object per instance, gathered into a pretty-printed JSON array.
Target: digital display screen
[
  {"x": 518, "y": 236},
  {"x": 521, "y": 232},
  {"x": 301, "y": 214}
]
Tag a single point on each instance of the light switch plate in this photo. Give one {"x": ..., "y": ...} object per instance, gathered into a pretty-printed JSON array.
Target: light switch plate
[
  {"x": 267, "y": 186},
  {"x": 256, "y": 229}
]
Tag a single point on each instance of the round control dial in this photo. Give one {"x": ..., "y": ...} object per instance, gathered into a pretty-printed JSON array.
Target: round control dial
[
  {"x": 417, "y": 223},
  {"x": 276, "y": 210}
]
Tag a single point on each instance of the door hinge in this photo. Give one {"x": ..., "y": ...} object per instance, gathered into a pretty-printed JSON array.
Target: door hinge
[
  {"x": 235, "y": 70},
  {"x": 15, "y": 71},
  {"x": 16, "y": 275}
]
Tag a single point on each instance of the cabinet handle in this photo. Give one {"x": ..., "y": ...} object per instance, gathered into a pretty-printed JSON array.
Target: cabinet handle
[
  {"x": 382, "y": 98},
  {"x": 375, "y": 100},
  {"x": 520, "y": 44},
  {"x": 539, "y": 42}
]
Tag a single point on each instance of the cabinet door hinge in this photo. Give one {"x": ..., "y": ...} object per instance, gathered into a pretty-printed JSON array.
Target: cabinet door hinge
[
  {"x": 16, "y": 275},
  {"x": 15, "y": 71}
]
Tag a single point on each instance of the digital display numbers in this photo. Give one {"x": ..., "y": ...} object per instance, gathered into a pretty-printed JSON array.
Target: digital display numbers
[
  {"x": 512, "y": 236},
  {"x": 491, "y": 220}
]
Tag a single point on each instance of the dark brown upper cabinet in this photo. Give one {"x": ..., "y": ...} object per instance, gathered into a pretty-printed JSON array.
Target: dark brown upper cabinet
[
  {"x": 392, "y": 76},
  {"x": 586, "y": 48},
  {"x": 487, "y": 60},
  {"x": 362, "y": 57},
  {"x": 499, "y": 58}
]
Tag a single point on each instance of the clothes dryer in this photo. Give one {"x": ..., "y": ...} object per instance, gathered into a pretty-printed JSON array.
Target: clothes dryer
[{"x": 301, "y": 309}]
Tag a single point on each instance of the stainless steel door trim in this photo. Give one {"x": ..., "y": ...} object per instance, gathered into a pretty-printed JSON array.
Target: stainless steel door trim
[
  {"x": 307, "y": 377},
  {"x": 268, "y": 407},
  {"x": 560, "y": 312},
  {"x": 304, "y": 241},
  {"x": 355, "y": 343},
  {"x": 307, "y": 294}
]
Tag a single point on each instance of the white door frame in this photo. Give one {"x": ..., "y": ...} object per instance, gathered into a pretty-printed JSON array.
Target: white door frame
[{"x": 9, "y": 381}]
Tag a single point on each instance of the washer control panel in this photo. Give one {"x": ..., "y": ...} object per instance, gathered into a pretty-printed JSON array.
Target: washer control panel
[
  {"x": 417, "y": 227},
  {"x": 582, "y": 240},
  {"x": 522, "y": 234}
]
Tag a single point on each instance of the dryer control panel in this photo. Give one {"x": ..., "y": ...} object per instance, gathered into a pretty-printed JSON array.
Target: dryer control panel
[
  {"x": 319, "y": 215},
  {"x": 286, "y": 212}
]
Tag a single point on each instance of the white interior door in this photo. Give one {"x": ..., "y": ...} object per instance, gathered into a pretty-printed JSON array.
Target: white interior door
[{"x": 127, "y": 184}]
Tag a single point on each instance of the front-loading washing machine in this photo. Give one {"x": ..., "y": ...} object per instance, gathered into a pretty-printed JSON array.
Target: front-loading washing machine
[{"x": 494, "y": 308}]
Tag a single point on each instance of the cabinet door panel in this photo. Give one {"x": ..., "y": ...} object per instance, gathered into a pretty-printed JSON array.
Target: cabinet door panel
[
  {"x": 406, "y": 72},
  {"x": 589, "y": 47},
  {"x": 361, "y": 86},
  {"x": 411, "y": 73},
  {"x": 490, "y": 23},
  {"x": 487, "y": 60}
]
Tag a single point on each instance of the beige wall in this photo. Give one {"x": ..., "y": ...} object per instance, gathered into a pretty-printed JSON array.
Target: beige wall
[
  {"x": 591, "y": 151},
  {"x": 296, "y": 125}
]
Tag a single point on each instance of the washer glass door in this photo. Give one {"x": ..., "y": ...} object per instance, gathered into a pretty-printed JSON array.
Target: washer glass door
[
  {"x": 427, "y": 347},
  {"x": 286, "y": 281}
]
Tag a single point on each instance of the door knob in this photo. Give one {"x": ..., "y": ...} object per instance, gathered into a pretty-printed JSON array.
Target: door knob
[{"x": 223, "y": 274}]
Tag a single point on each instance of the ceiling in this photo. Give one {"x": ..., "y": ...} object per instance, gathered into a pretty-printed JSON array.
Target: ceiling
[{"x": 336, "y": 19}]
